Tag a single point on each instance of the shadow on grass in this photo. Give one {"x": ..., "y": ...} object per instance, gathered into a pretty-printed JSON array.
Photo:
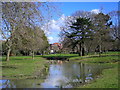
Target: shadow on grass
[
  {"x": 59, "y": 57},
  {"x": 9, "y": 67}
]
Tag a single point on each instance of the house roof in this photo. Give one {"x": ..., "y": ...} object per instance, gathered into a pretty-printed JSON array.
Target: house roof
[{"x": 56, "y": 43}]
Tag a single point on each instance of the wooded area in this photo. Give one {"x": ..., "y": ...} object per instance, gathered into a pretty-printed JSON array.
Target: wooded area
[
  {"x": 87, "y": 32},
  {"x": 83, "y": 33}
]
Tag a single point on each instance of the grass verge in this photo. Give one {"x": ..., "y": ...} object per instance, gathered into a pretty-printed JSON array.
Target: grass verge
[
  {"x": 96, "y": 59},
  {"x": 108, "y": 79},
  {"x": 21, "y": 67}
]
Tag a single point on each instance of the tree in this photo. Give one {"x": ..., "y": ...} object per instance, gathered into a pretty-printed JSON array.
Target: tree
[
  {"x": 31, "y": 40},
  {"x": 102, "y": 28},
  {"x": 86, "y": 27},
  {"x": 39, "y": 42},
  {"x": 115, "y": 33},
  {"x": 80, "y": 30},
  {"x": 18, "y": 16},
  {"x": 69, "y": 45}
]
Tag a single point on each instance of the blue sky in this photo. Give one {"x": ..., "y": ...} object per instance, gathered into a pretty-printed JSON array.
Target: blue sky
[
  {"x": 71, "y": 7},
  {"x": 67, "y": 8}
]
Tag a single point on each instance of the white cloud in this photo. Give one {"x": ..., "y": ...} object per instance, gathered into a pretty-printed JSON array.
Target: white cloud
[
  {"x": 53, "y": 39},
  {"x": 54, "y": 25},
  {"x": 96, "y": 11},
  {"x": 52, "y": 29},
  {"x": 50, "y": 38}
]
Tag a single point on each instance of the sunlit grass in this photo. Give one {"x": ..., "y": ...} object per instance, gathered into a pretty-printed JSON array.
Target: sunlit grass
[
  {"x": 21, "y": 65},
  {"x": 106, "y": 59},
  {"x": 108, "y": 79}
]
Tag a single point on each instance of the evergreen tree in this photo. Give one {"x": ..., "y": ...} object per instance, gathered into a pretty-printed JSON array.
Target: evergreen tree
[{"x": 80, "y": 30}]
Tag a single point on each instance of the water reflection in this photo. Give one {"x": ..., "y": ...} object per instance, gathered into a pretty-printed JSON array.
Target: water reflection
[
  {"x": 65, "y": 74},
  {"x": 61, "y": 74}
]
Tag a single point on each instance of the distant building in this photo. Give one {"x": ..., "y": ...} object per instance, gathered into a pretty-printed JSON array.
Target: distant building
[{"x": 55, "y": 47}]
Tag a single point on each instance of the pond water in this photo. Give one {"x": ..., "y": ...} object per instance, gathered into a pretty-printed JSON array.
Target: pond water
[{"x": 60, "y": 75}]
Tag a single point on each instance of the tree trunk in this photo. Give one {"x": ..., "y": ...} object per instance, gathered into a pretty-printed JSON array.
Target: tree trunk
[
  {"x": 88, "y": 51},
  {"x": 80, "y": 49},
  {"x": 83, "y": 51},
  {"x": 100, "y": 50},
  {"x": 8, "y": 54},
  {"x": 33, "y": 55}
]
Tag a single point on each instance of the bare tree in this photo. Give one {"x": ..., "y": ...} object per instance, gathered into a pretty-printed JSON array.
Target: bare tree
[
  {"x": 102, "y": 29},
  {"x": 115, "y": 33},
  {"x": 18, "y": 16}
]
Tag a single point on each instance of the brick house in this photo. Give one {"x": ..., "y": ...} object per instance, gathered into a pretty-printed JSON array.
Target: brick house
[{"x": 55, "y": 47}]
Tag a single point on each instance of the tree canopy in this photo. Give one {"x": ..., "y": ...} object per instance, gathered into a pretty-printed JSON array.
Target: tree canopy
[{"x": 87, "y": 32}]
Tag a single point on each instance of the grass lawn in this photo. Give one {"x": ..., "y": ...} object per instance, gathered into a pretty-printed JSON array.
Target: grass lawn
[
  {"x": 108, "y": 79},
  {"x": 22, "y": 66},
  {"x": 97, "y": 59}
]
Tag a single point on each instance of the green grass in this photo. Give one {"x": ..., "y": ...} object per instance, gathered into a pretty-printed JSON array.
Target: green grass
[
  {"x": 107, "y": 53},
  {"x": 112, "y": 53},
  {"x": 22, "y": 66},
  {"x": 106, "y": 59},
  {"x": 108, "y": 79}
]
